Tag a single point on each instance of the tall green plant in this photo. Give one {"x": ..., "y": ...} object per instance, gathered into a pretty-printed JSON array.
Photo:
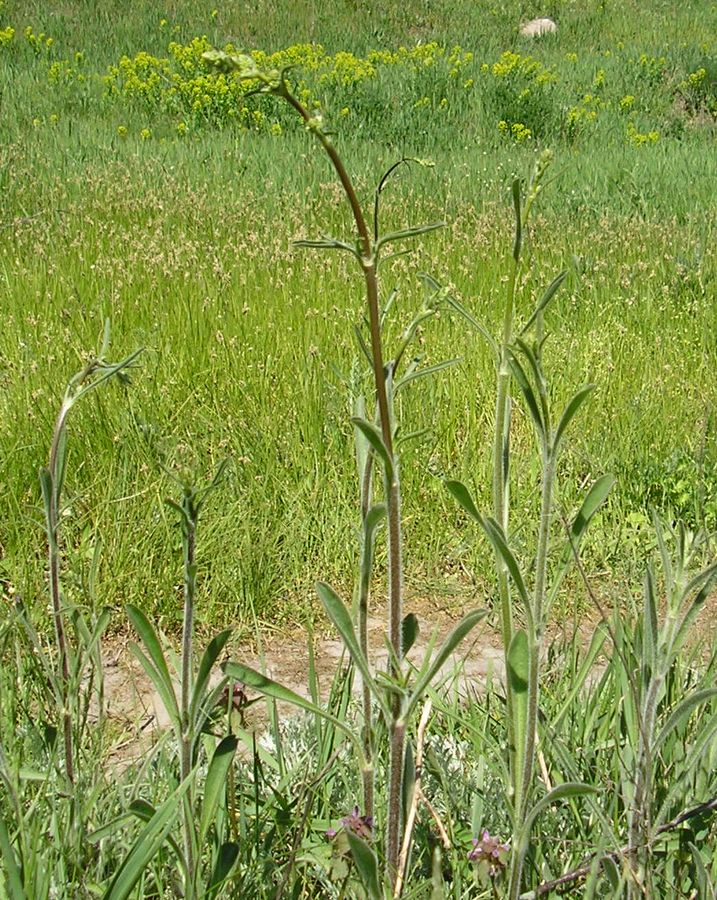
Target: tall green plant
[
  {"x": 527, "y": 591},
  {"x": 203, "y": 820},
  {"x": 52, "y": 477},
  {"x": 398, "y": 702}
]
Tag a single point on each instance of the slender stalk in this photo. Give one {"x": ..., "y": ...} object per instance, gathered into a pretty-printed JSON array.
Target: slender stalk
[
  {"x": 189, "y": 526},
  {"x": 501, "y": 497},
  {"x": 367, "y": 775},
  {"x": 535, "y": 637},
  {"x": 369, "y": 265},
  {"x": 53, "y": 543}
]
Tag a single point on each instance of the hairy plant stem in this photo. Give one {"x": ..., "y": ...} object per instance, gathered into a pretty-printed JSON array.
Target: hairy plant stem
[
  {"x": 369, "y": 265},
  {"x": 535, "y": 639},
  {"x": 53, "y": 543},
  {"x": 367, "y": 772},
  {"x": 189, "y": 532},
  {"x": 501, "y": 499}
]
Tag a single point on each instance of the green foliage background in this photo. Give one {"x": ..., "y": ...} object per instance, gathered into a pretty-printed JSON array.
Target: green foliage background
[{"x": 136, "y": 185}]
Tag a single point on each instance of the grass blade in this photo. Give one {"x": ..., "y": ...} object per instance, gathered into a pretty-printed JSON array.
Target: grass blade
[{"x": 147, "y": 844}]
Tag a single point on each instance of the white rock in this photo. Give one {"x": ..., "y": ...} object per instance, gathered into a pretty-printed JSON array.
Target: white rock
[{"x": 538, "y": 27}]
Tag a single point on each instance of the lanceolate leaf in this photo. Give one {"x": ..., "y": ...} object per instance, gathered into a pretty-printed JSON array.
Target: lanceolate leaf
[
  {"x": 276, "y": 691},
  {"x": 496, "y": 535},
  {"x": 209, "y": 658},
  {"x": 409, "y": 632},
  {"x": 339, "y": 615},
  {"x": 327, "y": 243},
  {"x": 570, "y": 412},
  {"x": 463, "y": 496},
  {"x": 462, "y": 629},
  {"x": 518, "y": 673},
  {"x": 226, "y": 860},
  {"x": 215, "y": 783},
  {"x": 594, "y": 499},
  {"x": 681, "y": 712},
  {"x": 596, "y": 645},
  {"x": 407, "y": 233},
  {"x": 375, "y": 439},
  {"x": 154, "y": 664},
  {"x": 427, "y": 370},
  {"x": 13, "y": 874},
  {"x": 562, "y": 792},
  {"x": 366, "y": 865},
  {"x": 531, "y": 401},
  {"x": 550, "y": 292},
  {"x": 478, "y": 325}
]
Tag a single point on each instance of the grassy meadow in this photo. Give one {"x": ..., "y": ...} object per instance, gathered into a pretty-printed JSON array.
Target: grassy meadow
[
  {"x": 140, "y": 186},
  {"x": 135, "y": 188}
]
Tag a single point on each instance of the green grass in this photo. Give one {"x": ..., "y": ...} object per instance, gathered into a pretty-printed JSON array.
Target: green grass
[{"x": 184, "y": 242}]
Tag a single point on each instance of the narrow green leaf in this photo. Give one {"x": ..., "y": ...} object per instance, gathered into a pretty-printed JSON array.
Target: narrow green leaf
[
  {"x": 209, "y": 658},
  {"x": 462, "y": 629},
  {"x": 147, "y": 844},
  {"x": 706, "y": 578},
  {"x": 226, "y": 860},
  {"x": 276, "y": 691},
  {"x": 374, "y": 517},
  {"x": 366, "y": 865},
  {"x": 142, "y": 810},
  {"x": 215, "y": 783},
  {"x": 681, "y": 712},
  {"x": 518, "y": 664},
  {"x": 407, "y": 233},
  {"x": 423, "y": 373},
  {"x": 531, "y": 401},
  {"x": 649, "y": 625},
  {"x": 161, "y": 679},
  {"x": 612, "y": 873},
  {"x": 363, "y": 346},
  {"x": 594, "y": 499},
  {"x": 464, "y": 498},
  {"x": 13, "y": 874},
  {"x": 478, "y": 325},
  {"x": 570, "y": 411},
  {"x": 496, "y": 535},
  {"x": 375, "y": 439},
  {"x": 550, "y": 292},
  {"x": 327, "y": 243},
  {"x": 705, "y": 882},
  {"x": 561, "y": 792},
  {"x": 339, "y": 615},
  {"x": 409, "y": 632},
  {"x": 518, "y": 241}
]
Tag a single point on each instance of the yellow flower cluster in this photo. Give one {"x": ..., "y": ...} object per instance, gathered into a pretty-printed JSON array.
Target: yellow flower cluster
[
  {"x": 181, "y": 83},
  {"x": 39, "y": 42},
  {"x": 639, "y": 138},
  {"x": 62, "y": 72},
  {"x": 6, "y": 36},
  {"x": 517, "y": 131},
  {"x": 514, "y": 66}
]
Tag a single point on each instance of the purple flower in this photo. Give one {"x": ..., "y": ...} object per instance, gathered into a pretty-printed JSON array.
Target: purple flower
[
  {"x": 356, "y": 824},
  {"x": 489, "y": 851}
]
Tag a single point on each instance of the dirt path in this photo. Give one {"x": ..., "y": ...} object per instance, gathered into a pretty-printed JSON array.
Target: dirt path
[{"x": 137, "y": 717}]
